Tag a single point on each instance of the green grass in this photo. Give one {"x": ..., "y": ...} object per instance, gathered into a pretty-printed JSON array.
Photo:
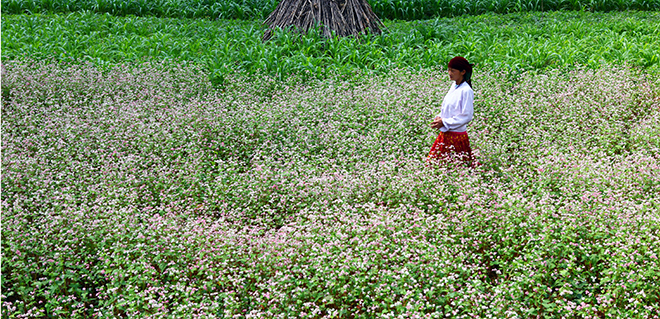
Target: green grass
[
  {"x": 259, "y": 9},
  {"x": 513, "y": 42}
]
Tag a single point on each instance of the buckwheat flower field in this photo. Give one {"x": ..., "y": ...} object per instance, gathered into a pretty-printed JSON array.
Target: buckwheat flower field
[{"x": 142, "y": 191}]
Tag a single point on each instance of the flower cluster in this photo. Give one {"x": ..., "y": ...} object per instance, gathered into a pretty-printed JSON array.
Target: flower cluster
[{"x": 142, "y": 191}]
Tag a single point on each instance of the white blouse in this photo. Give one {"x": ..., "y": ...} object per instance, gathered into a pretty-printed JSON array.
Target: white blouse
[{"x": 457, "y": 110}]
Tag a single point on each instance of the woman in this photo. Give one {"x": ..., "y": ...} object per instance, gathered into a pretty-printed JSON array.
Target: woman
[{"x": 457, "y": 111}]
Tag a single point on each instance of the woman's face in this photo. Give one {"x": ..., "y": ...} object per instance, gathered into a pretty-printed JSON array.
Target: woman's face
[{"x": 456, "y": 75}]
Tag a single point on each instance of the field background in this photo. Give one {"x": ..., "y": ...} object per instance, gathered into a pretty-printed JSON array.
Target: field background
[
  {"x": 160, "y": 160},
  {"x": 260, "y": 9}
]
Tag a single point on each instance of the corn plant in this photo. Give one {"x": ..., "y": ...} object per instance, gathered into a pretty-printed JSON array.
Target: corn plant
[
  {"x": 260, "y": 9},
  {"x": 513, "y": 42}
]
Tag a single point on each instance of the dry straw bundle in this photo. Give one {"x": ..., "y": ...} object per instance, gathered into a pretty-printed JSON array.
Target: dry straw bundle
[{"x": 343, "y": 17}]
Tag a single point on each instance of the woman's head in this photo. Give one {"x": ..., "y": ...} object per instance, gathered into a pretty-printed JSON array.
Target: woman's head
[{"x": 460, "y": 70}]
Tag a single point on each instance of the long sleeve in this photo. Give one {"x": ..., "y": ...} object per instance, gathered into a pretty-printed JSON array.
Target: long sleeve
[
  {"x": 457, "y": 109},
  {"x": 466, "y": 112}
]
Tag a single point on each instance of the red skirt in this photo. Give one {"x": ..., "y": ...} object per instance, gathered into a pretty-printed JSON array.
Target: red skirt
[{"x": 451, "y": 145}]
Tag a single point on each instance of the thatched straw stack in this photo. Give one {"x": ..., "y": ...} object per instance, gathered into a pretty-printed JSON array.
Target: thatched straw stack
[{"x": 343, "y": 17}]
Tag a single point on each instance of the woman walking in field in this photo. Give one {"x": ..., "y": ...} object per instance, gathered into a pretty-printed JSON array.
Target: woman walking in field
[{"x": 457, "y": 111}]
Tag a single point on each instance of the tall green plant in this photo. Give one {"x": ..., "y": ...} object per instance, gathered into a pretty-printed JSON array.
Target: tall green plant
[
  {"x": 515, "y": 42},
  {"x": 259, "y": 9}
]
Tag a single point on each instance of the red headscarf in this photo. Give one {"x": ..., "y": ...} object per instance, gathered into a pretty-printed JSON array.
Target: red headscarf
[{"x": 460, "y": 63}]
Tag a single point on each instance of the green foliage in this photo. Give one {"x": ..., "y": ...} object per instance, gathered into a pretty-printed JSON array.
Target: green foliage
[
  {"x": 207, "y": 9},
  {"x": 514, "y": 42},
  {"x": 425, "y": 9},
  {"x": 259, "y": 9},
  {"x": 135, "y": 190},
  {"x": 139, "y": 191}
]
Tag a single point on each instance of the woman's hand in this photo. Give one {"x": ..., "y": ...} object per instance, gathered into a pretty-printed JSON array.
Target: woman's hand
[{"x": 437, "y": 123}]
